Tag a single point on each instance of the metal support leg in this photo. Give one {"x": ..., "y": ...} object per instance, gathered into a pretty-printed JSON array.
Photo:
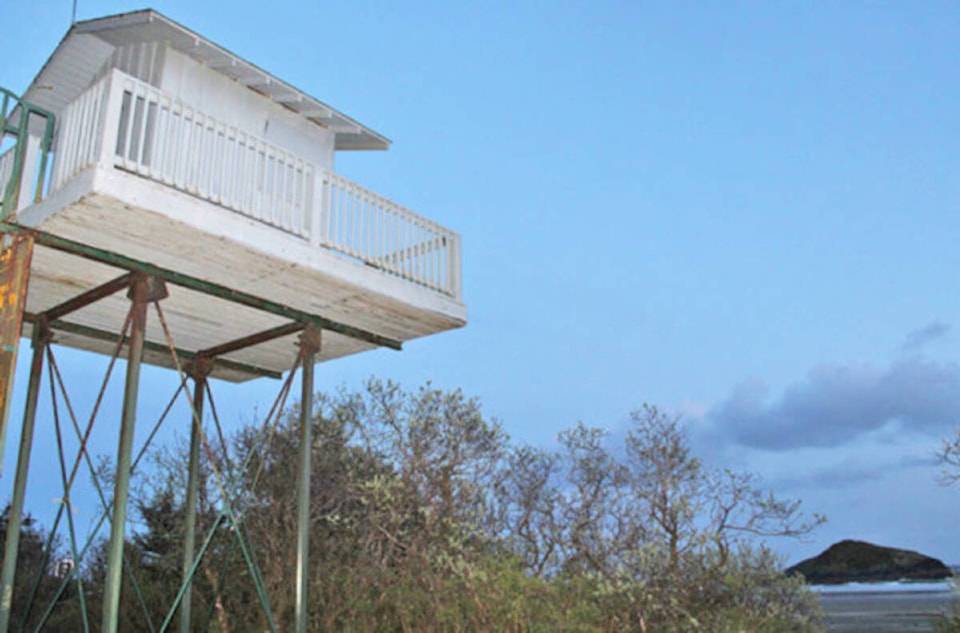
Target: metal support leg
[
  {"x": 15, "y": 254},
  {"x": 41, "y": 339},
  {"x": 310, "y": 341},
  {"x": 142, "y": 291},
  {"x": 199, "y": 372}
]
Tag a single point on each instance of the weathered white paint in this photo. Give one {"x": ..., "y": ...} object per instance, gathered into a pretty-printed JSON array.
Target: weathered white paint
[
  {"x": 171, "y": 150},
  {"x": 235, "y": 105},
  {"x": 197, "y": 321},
  {"x": 143, "y": 60},
  {"x": 6, "y": 168},
  {"x": 31, "y": 172},
  {"x": 80, "y": 129},
  {"x": 381, "y": 233},
  {"x": 140, "y": 43},
  {"x": 126, "y": 123},
  {"x": 116, "y": 210}
]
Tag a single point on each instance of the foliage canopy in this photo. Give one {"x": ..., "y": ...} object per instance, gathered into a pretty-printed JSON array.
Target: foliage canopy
[{"x": 426, "y": 517}]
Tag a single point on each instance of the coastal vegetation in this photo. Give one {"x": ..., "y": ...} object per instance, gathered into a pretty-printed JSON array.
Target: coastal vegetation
[
  {"x": 426, "y": 517},
  {"x": 950, "y": 458}
]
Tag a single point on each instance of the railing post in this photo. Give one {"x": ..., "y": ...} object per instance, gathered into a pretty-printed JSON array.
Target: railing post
[
  {"x": 320, "y": 213},
  {"x": 110, "y": 121},
  {"x": 310, "y": 342},
  {"x": 64, "y": 149},
  {"x": 453, "y": 266},
  {"x": 41, "y": 338},
  {"x": 144, "y": 290},
  {"x": 45, "y": 145}
]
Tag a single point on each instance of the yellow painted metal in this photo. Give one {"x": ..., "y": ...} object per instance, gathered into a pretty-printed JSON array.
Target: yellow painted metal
[{"x": 14, "y": 276}]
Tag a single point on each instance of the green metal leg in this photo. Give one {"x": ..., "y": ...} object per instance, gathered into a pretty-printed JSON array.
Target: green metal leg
[
  {"x": 199, "y": 372},
  {"x": 140, "y": 294},
  {"x": 310, "y": 340},
  {"x": 14, "y": 275},
  {"x": 40, "y": 342}
]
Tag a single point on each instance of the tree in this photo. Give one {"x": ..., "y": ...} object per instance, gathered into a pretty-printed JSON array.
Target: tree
[
  {"x": 949, "y": 455},
  {"x": 424, "y": 516},
  {"x": 666, "y": 540},
  {"x": 37, "y": 578}
]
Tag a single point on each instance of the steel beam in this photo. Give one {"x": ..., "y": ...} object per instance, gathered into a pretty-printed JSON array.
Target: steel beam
[
  {"x": 14, "y": 276},
  {"x": 198, "y": 371},
  {"x": 103, "y": 335},
  {"x": 310, "y": 343},
  {"x": 41, "y": 338},
  {"x": 111, "y": 594},
  {"x": 86, "y": 298},
  {"x": 192, "y": 283},
  {"x": 253, "y": 339}
]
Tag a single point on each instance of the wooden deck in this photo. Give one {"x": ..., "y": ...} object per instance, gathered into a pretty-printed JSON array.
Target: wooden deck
[{"x": 124, "y": 213}]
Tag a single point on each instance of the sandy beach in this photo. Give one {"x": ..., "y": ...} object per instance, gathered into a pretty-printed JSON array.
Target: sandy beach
[{"x": 884, "y": 612}]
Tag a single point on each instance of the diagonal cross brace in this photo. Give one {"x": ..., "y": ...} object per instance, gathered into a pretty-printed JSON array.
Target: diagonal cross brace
[{"x": 112, "y": 337}]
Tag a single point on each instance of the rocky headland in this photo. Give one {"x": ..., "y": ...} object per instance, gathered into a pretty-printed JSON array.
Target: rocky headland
[{"x": 859, "y": 561}]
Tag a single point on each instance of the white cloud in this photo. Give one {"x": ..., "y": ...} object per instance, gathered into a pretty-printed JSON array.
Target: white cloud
[
  {"x": 854, "y": 441},
  {"x": 837, "y": 403},
  {"x": 918, "y": 339}
]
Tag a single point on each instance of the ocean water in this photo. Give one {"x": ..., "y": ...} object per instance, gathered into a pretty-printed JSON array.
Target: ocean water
[
  {"x": 886, "y": 607},
  {"x": 900, "y": 586}
]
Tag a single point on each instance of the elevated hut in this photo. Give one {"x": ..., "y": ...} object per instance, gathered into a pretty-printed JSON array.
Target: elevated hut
[
  {"x": 147, "y": 165},
  {"x": 171, "y": 150}
]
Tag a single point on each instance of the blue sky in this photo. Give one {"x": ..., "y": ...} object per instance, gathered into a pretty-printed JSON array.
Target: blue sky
[{"x": 744, "y": 212}]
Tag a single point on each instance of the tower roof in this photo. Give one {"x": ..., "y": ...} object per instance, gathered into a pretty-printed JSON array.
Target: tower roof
[{"x": 87, "y": 45}]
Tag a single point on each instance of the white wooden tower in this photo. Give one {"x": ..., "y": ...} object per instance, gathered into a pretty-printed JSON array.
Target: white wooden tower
[
  {"x": 171, "y": 150},
  {"x": 150, "y": 159}
]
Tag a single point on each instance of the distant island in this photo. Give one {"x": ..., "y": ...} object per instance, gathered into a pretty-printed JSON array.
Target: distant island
[{"x": 858, "y": 561}]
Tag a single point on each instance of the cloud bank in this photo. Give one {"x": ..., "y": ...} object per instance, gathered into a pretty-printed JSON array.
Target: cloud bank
[
  {"x": 917, "y": 339},
  {"x": 838, "y": 403},
  {"x": 847, "y": 434}
]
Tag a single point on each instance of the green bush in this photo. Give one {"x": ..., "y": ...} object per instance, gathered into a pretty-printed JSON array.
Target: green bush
[{"x": 426, "y": 518}]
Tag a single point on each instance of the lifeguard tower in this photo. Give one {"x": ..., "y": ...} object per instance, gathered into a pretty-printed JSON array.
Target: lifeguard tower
[{"x": 146, "y": 164}]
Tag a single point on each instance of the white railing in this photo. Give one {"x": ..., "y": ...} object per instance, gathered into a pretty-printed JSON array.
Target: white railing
[
  {"x": 79, "y": 139},
  {"x": 381, "y": 233},
  {"x": 164, "y": 139},
  {"x": 6, "y": 169},
  {"x": 123, "y": 122}
]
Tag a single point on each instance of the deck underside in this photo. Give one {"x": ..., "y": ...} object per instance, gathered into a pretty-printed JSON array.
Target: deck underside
[{"x": 211, "y": 243}]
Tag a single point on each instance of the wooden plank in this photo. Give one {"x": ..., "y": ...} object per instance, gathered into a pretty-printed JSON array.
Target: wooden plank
[
  {"x": 152, "y": 223},
  {"x": 186, "y": 281}
]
